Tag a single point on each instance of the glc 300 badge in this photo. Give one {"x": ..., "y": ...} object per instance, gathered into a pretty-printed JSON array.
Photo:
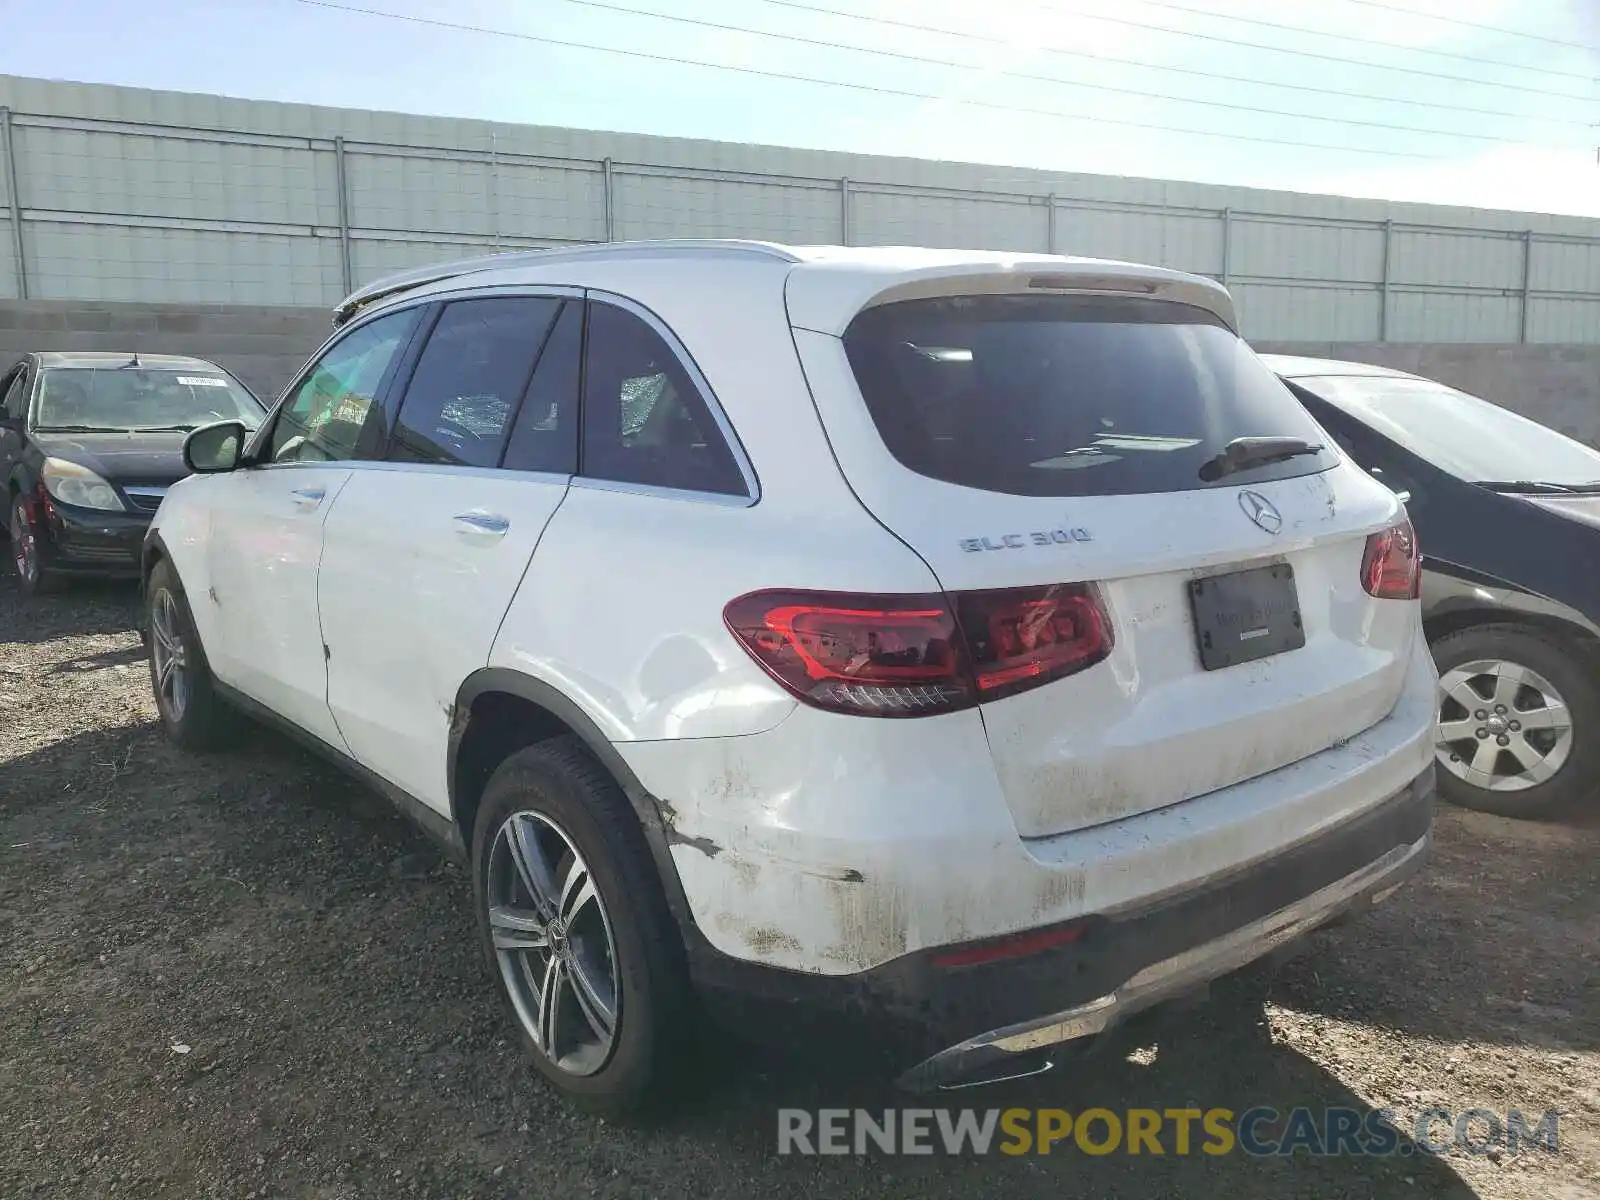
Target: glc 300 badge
[{"x": 1023, "y": 541}]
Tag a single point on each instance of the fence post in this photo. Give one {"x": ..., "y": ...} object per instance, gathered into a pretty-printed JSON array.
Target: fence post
[
  {"x": 1527, "y": 282},
  {"x": 1227, "y": 246},
  {"x": 1050, "y": 223},
  {"x": 346, "y": 275},
  {"x": 14, "y": 207},
  {"x": 610, "y": 198},
  {"x": 844, "y": 212},
  {"x": 1383, "y": 303}
]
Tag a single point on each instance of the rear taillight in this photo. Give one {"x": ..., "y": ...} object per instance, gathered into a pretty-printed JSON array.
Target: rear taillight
[
  {"x": 1391, "y": 568},
  {"x": 909, "y": 656}
]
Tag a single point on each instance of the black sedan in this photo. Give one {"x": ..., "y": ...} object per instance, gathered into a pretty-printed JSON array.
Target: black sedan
[
  {"x": 1507, "y": 512},
  {"x": 89, "y": 443}
]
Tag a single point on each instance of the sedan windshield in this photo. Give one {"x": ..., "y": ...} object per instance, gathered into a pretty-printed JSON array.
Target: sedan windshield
[
  {"x": 1470, "y": 438},
  {"x": 140, "y": 398}
]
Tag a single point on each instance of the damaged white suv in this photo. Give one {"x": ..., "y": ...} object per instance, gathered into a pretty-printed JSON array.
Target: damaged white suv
[{"x": 985, "y": 646}]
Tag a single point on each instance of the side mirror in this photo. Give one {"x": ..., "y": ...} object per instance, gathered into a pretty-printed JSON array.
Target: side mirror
[{"x": 213, "y": 449}]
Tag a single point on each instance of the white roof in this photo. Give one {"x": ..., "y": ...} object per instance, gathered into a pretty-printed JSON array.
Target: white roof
[
  {"x": 1294, "y": 367},
  {"x": 826, "y": 286}
]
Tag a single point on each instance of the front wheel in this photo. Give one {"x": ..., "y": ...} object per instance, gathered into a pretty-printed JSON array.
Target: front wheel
[
  {"x": 195, "y": 717},
  {"x": 576, "y": 930},
  {"x": 1519, "y": 722},
  {"x": 28, "y": 551}
]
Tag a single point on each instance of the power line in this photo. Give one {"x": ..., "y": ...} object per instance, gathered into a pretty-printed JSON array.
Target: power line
[
  {"x": 1313, "y": 54},
  {"x": 989, "y": 39},
  {"x": 875, "y": 89},
  {"x": 928, "y": 60},
  {"x": 1500, "y": 29},
  {"x": 1351, "y": 37}
]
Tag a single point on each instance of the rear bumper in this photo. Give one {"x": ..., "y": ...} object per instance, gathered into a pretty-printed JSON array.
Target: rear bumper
[{"x": 1139, "y": 959}]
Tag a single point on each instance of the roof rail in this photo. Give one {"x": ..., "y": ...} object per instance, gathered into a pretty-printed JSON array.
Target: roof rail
[{"x": 405, "y": 281}]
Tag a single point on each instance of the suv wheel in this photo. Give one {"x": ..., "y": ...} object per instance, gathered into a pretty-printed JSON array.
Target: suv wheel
[
  {"x": 28, "y": 551},
  {"x": 1519, "y": 722},
  {"x": 195, "y": 717},
  {"x": 575, "y": 928}
]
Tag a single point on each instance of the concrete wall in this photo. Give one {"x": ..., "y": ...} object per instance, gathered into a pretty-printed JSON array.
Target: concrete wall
[
  {"x": 264, "y": 346},
  {"x": 136, "y": 195}
]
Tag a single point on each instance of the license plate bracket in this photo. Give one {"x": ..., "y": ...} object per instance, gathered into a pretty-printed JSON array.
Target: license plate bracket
[{"x": 1242, "y": 616}]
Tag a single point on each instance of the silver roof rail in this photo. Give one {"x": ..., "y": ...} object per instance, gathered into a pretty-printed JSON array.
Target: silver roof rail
[{"x": 405, "y": 281}]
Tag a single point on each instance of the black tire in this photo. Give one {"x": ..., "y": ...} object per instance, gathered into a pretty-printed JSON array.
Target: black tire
[
  {"x": 204, "y": 721},
  {"x": 558, "y": 781},
  {"x": 34, "y": 575},
  {"x": 1574, "y": 673}
]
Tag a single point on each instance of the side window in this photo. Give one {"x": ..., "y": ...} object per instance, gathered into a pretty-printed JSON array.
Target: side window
[
  {"x": 545, "y": 437},
  {"x": 470, "y": 379},
  {"x": 16, "y": 395},
  {"x": 644, "y": 421},
  {"x": 333, "y": 414}
]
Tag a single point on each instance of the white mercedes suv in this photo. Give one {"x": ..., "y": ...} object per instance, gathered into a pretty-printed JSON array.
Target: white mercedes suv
[{"x": 979, "y": 647}]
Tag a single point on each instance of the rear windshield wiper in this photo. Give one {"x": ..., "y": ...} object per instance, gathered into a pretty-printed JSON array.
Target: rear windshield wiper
[
  {"x": 1243, "y": 453},
  {"x": 1532, "y": 487}
]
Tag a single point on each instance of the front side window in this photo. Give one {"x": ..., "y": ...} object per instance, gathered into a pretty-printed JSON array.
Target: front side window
[
  {"x": 1070, "y": 395},
  {"x": 333, "y": 414},
  {"x": 470, "y": 380},
  {"x": 14, "y": 403},
  {"x": 1460, "y": 434},
  {"x": 644, "y": 419},
  {"x": 140, "y": 399}
]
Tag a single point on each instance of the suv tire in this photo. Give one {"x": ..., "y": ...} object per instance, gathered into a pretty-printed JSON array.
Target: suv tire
[
  {"x": 1480, "y": 656},
  {"x": 622, "y": 1011},
  {"x": 194, "y": 716}
]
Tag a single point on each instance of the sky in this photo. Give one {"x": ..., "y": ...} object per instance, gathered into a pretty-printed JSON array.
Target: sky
[{"x": 1501, "y": 98}]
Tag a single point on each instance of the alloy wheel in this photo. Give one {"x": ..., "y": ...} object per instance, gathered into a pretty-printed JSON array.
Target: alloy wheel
[
  {"x": 24, "y": 546},
  {"x": 169, "y": 656},
  {"x": 553, "y": 943},
  {"x": 1502, "y": 726}
]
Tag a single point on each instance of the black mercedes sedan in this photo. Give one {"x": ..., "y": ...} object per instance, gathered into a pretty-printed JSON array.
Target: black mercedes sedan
[
  {"x": 89, "y": 443},
  {"x": 1507, "y": 512}
]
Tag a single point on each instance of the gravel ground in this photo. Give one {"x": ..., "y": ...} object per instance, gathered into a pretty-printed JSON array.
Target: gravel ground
[{"x": 243, "y": 976}]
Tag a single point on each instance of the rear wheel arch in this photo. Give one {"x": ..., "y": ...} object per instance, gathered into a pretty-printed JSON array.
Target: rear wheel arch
[{"x": 500, "y": 711}]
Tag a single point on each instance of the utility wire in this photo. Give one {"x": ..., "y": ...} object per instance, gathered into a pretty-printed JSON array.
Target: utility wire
[
  {"x": 1193, "y": 10},
  {"x": 1500, "y": 29},
  {"x": 1414, "y": 72},
  {"x": 875, "y": 89},
  {"x": 990, "y": 39},
  {"x": 1056, "y": 80}
]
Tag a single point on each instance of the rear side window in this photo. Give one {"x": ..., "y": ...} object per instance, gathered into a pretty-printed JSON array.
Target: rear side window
[
  {"x": 470, "y": 379},
  {"x": 1069, "y": 395},
  {"x": 545, "y": 437},
  {"x": 644, "y": 420}
]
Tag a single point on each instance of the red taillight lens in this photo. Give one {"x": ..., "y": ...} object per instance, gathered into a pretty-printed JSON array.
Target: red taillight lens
[
  {"x": 1017, "y": 946},
  {"x": 908, "y": 656},
  {"x": 1391, "y": 568},
  {"x": 1022, "y": 637}
]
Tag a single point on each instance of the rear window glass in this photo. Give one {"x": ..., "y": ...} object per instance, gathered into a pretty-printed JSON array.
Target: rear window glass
[{"x": 1069, "y": 395}]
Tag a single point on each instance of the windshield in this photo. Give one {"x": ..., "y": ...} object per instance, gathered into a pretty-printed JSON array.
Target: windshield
[
  {"x": 136, "y": 398},
  {"x": 1470, "y": 438},
  {"x": 1073, "y": 395}
]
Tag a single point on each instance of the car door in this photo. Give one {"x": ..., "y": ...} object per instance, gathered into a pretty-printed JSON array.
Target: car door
[
  {"x": 424, "y": 551},
  {"x": 267, "y": 524}
]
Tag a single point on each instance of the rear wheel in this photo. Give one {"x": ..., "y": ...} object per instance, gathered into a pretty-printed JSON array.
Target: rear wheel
[
  {"x": 28, "y": 553},
  {"x": 1519, "y": 722},
  {"x": 576, "y": 930}
]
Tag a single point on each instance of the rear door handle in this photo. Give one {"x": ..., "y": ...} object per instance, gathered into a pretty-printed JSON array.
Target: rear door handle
[
  {"x": 482, "y": 523},
  {"x": 308, "y": 497}
]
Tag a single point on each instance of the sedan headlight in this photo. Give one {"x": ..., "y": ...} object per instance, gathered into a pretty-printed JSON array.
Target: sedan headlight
[{"x": 77, "y": 485}]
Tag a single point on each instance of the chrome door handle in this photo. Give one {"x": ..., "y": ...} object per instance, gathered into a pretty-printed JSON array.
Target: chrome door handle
[
  {"x": 308, "y": 497},
  {"x": 478, "y": 522}
]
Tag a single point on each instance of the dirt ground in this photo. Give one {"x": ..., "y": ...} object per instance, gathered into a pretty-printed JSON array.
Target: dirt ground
[{"x": 243, "y": 976}]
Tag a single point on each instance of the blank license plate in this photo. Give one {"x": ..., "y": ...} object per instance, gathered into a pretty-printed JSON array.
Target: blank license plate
[{"x": 1245, "y": 615}]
